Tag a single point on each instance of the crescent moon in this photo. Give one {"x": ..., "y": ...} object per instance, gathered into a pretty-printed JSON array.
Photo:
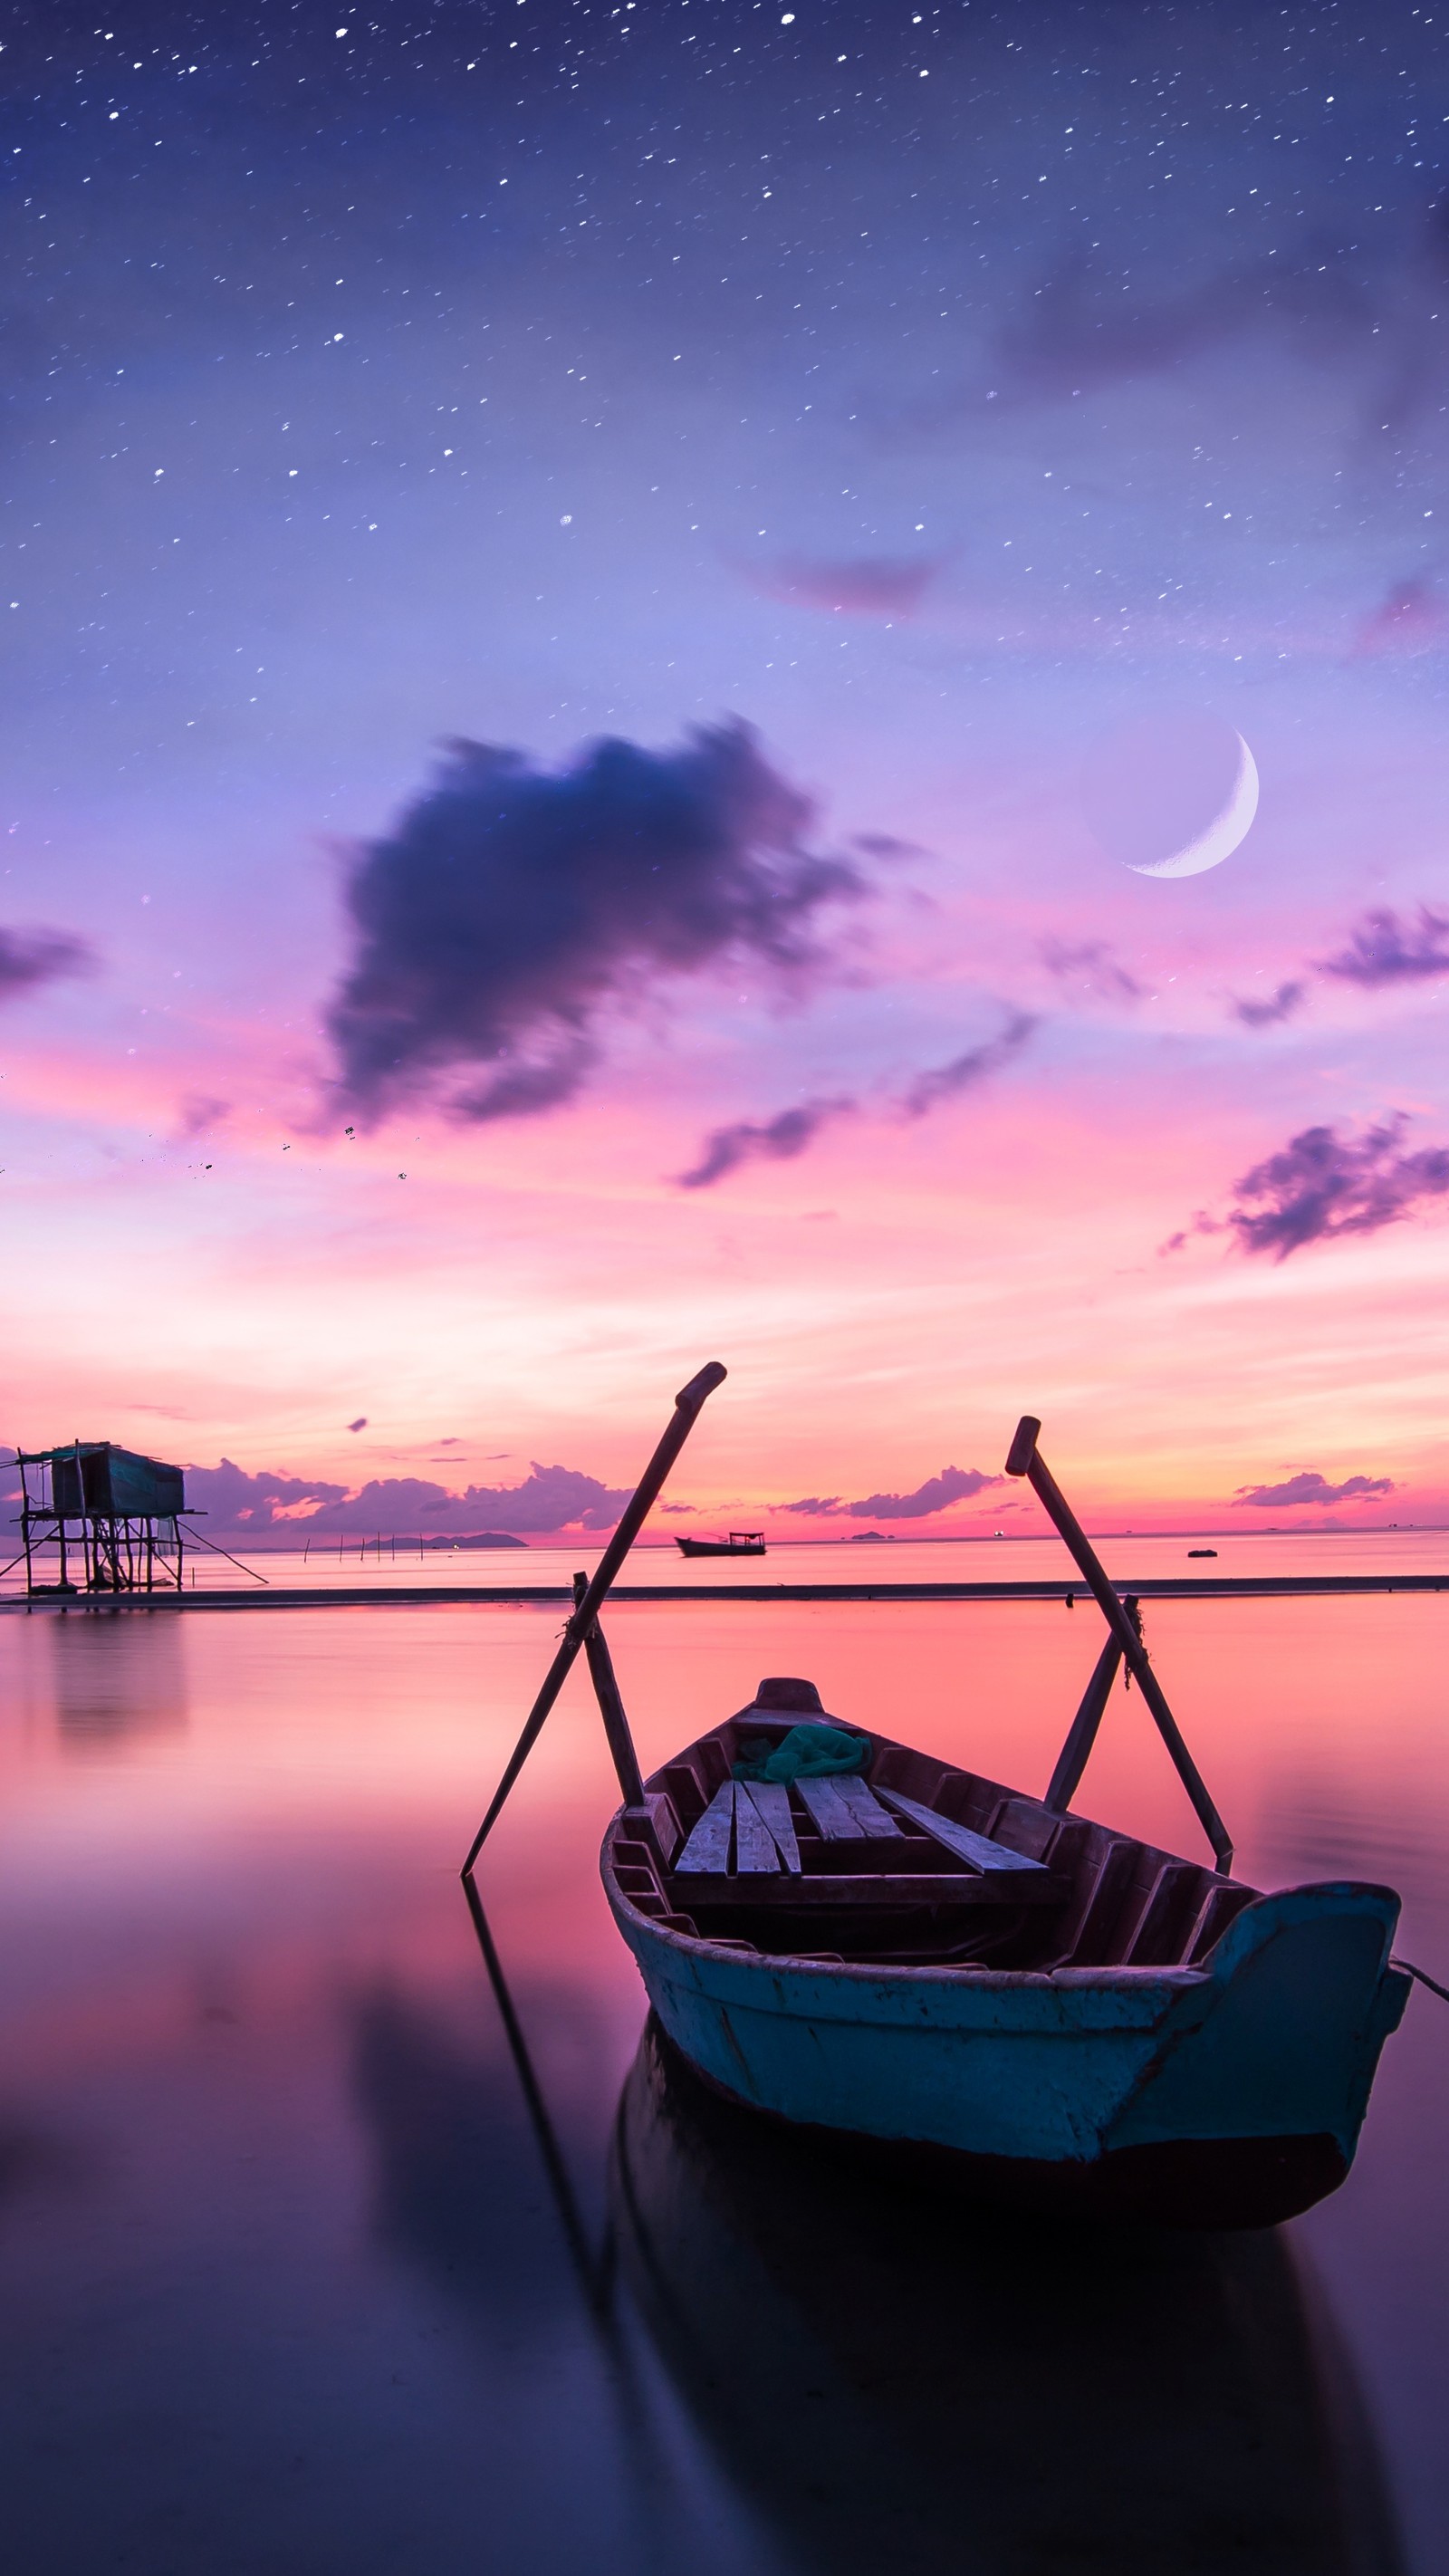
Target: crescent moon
[{"x": 1222, "y": 837}]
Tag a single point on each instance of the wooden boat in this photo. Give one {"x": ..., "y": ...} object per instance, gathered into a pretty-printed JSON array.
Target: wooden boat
[
  {"x": 926, "y": 1959},
  {"x": 902, "y": 1951},
  {"x": 739, "y": 1543}
]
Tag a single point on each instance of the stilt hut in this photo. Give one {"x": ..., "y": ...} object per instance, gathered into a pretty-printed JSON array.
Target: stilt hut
[{"x": 112, "y": 1518}]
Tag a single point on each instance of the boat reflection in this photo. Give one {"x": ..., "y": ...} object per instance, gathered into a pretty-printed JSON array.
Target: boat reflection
[{"x": 900, "y": 2381}]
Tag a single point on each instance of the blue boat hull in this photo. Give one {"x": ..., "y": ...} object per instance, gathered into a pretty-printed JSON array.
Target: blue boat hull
[{"x": 1225, "y": 2094}]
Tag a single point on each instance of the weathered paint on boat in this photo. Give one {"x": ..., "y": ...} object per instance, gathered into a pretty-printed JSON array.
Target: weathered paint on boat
[
  {"x": 965, "y": 1975},
  {"x": 1272, "y": 2044},
  {"x": 1228, "y": 2093}
]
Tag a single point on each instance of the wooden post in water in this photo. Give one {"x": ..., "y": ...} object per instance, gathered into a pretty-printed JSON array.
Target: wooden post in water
[
  {"x": 687, "y": 1407},
  {"x": 611, "y": 1706},
  {"x": 1072, "y": 1760},
  {"x": 1025, "y": 1459}
]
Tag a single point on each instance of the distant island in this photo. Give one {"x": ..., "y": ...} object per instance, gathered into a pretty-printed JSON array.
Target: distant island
[
  {"x": 476, "y": 1538},
  {"x": 868, "y": 1538}
]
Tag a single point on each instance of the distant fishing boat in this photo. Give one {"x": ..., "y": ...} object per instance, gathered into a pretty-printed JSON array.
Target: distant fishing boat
[
  {"x": 739, "y": 1543},
  {"x": 1202, "y": 1551},
  {"x": 865, "y": 1941}
]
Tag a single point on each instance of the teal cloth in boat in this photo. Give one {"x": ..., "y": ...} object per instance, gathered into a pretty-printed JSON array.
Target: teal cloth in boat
[{"x": 806, "y": 1753}]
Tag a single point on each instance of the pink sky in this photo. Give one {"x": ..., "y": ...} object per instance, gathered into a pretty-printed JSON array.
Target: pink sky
[{"x": 886, "y": 488}]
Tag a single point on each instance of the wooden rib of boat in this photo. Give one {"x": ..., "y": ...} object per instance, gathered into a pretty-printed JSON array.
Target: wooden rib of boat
[
  {"x": 955, "y": 1972},
  {"x": 738, "y": 1543}
]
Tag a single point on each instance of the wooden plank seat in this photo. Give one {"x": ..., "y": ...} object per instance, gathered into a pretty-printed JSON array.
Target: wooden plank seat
[
  {"x": 843, "y": 1810},
  {"x": 771, "y": 1801},
  {"x": 708, "y": 1847},
  {"x": 977, "y": 1849},
  {"x": 747, "y": 1834}
]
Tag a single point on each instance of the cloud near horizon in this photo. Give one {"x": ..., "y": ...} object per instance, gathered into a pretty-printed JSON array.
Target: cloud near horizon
[
  {"x": 511, "y": 905},
  {"x": 953, "y": 1485},
  {"x": 1308, "y": 1486},
  {"x": 550, "y": 1498}
]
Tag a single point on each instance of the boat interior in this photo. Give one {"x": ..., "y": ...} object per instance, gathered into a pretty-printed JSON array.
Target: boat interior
[{"x": 909, "y": 1861}]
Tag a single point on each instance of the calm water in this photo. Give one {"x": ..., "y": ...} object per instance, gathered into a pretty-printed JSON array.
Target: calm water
[
  {"x": 284, "y": 2283},
  {"x": 391, "y": 1559}
]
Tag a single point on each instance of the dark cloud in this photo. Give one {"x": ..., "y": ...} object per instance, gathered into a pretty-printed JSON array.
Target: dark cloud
[
  {"x": 944, "y": 1081},
  {"x": 31, "y": 957},
  {"x": 1272, "y": 1008},
  {"x": 1411, "y": 619},
  {"x": 1384, "y": 950},
  {"x": 857, "y": 586},
  {"x": 953, "y": 1485},
  {"x": 1323, "y": 1185},
  {"x": 1090, "y": 962},
  {"x": 512, "y": 905},
  {"x": 1334, "y": 303},
  {"x": 1079, "y": 329},
  {"x": 884, "y": 845},
  {"x": 776, "y": 1140},
  {"x": 360, "y": 1424},
  {"x": 1309, "y": 1487},
  {"x": 550, "y": 1498}
]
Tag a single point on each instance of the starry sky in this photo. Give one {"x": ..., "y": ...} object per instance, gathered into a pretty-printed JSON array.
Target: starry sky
[{"x": 603, "y": 605}]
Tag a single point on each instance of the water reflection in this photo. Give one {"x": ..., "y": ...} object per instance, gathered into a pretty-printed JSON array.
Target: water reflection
[
  {"x": 909, "y": 2383},
  {"x": 35, "y": 2160},
  {"x": 455, "y": 2164},
  {"x": 117, "y": 1675}
]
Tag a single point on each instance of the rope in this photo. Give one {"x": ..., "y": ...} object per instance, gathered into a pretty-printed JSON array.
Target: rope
[{"x": 1409, "y": 1970}]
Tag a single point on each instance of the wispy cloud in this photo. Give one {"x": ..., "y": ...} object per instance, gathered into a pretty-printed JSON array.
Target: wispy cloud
[
  {"x": 1411, "y": 619},
  {"x": 944, "y": 1081},
  {"x": 1382, "y": 949},
  {"x": 1091, "y": 964},
  {"x": 32, "y": 957},
  {"x": 511, "y": 905},
  {"x": 885, "y": 845},
  {"x": 770, "y": 1140},
  {"x": 1330, "y": 300},
  {"x": 780, "y": 1139},
  {"x": 849, "y": 586},
  {"x": 1308, "y": 1486},
  {"x": 1268, "y": 1012}
]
